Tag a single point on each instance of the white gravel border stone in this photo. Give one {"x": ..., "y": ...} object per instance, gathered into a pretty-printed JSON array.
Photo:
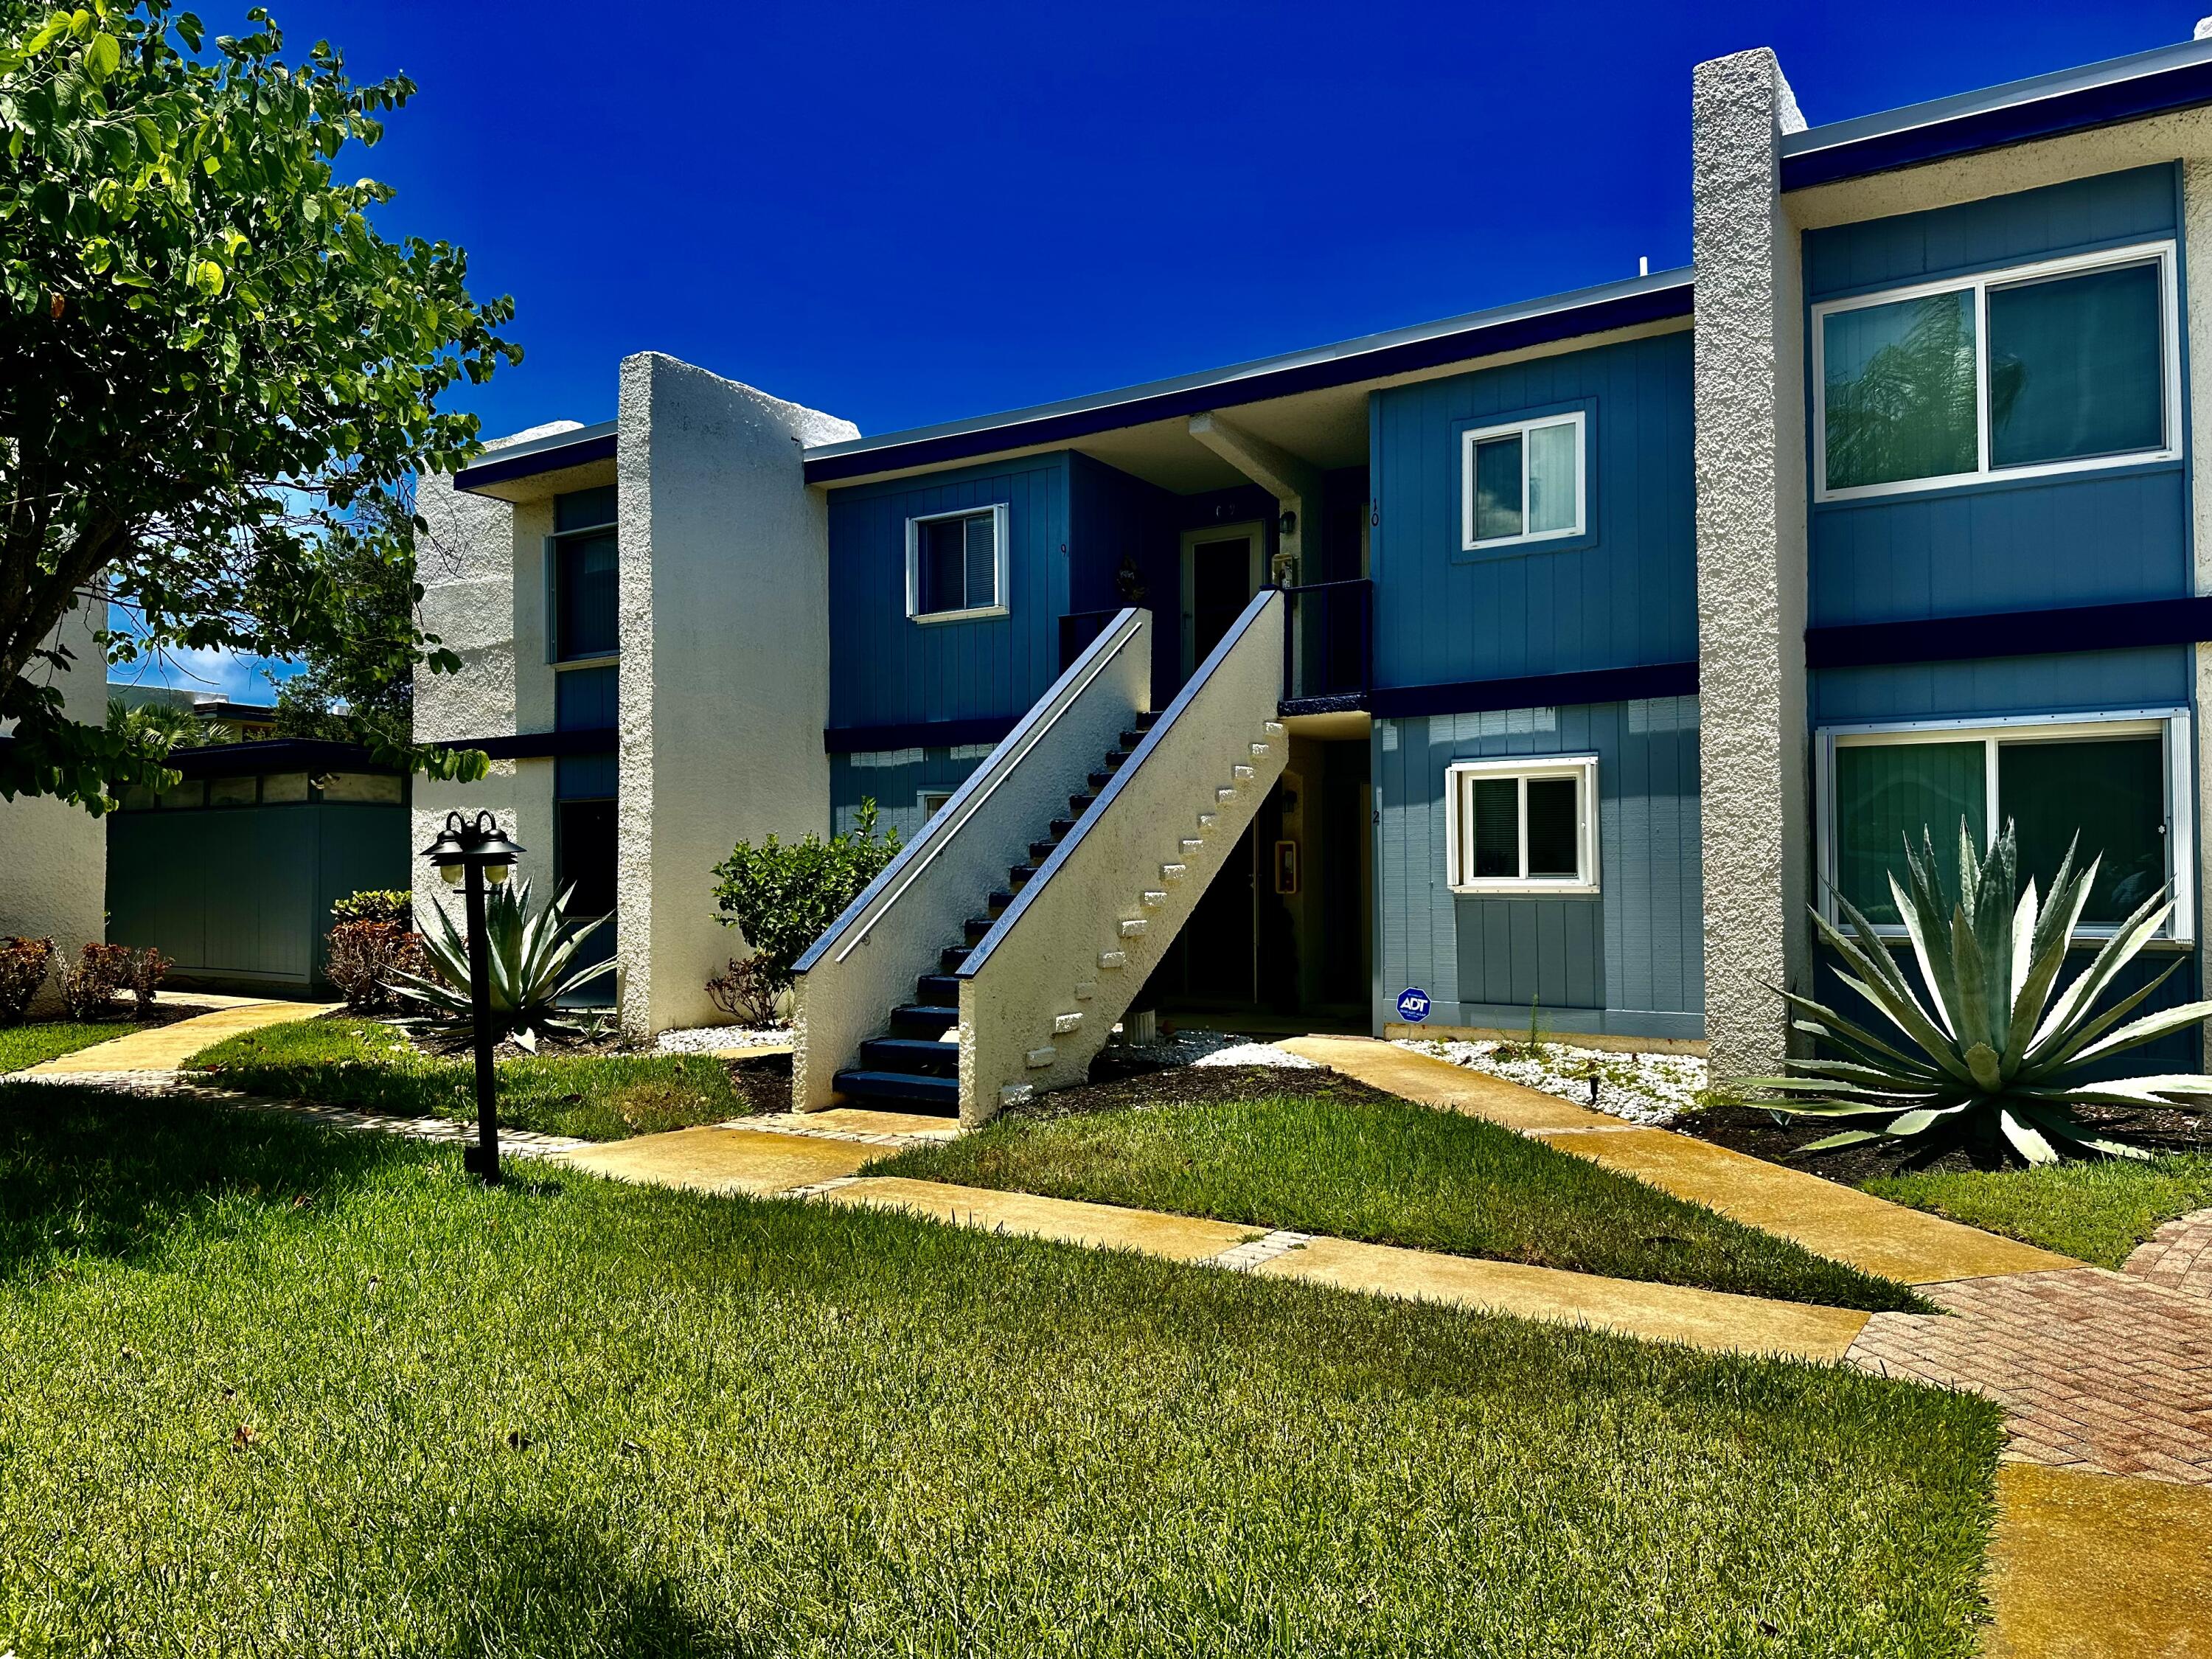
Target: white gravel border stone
[{"x": 1648, "y": 1089}]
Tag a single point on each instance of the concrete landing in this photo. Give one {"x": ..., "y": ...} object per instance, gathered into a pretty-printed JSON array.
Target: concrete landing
[
  {"x": 1838, "y": 1222},
  {"x": 165, "y": 1047},
  {"x": 717, "y": 1160},
  {"x": 1656, "y": 1312},
  {"x": 2084, "y": 1566}
]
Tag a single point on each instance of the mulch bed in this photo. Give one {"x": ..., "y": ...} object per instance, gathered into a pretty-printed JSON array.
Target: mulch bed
[{"x": 1748, "y": 1129}]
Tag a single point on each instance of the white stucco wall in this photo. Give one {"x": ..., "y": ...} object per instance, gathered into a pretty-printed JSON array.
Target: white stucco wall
[
  {"x": 725, "y": 677},
  {"x": 53, "y": 857},
  {"x": 1751, "y": 562},
  {"x": 482, "y": 569}
]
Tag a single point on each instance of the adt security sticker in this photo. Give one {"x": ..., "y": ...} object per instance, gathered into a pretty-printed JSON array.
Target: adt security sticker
[{"x": 1412, "y": 1005}]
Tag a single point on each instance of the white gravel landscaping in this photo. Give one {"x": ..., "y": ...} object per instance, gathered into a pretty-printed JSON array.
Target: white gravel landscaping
[
  {"x": 704, "y": 1039},
  {"x": 1653, "y": 1089}
]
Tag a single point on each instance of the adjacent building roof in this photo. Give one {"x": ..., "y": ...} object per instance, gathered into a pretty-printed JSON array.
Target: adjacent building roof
[
  {"x": 554, "y": 453},
  {"x": 1655, "y": 298},
  {"x": 2042, "y": 106}
]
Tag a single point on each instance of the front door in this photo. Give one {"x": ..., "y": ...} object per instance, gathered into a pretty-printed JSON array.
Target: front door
[{"x": 1222, "y": 569}]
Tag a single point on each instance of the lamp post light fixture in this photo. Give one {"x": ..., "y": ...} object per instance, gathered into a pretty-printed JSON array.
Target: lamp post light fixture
[{"x": 474, "y": 854}]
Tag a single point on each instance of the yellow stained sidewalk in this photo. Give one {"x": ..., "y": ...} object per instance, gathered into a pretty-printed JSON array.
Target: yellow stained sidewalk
[
  {"x": 762, "y": 1162},
  {"x": 1837, "y": 1222},
  {"x": 165, "y": 1047}
]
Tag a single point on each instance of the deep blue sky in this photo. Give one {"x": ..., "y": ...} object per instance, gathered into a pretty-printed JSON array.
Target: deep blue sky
[{"x": 911, "y": 213}]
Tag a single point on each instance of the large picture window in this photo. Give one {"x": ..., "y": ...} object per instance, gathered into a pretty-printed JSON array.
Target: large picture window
[
  {"x": 2120, "y": 783},
  {"x": 1523, "y": 825},
  {"x": 1523, "y": 482},
  {"x": 955, "y": 564},
  {"x": 2041, "y": 369}
]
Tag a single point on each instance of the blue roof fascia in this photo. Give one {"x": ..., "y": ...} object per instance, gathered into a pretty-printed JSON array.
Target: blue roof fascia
[
  {"x": 555, "y": 453},
  {"x": 1658, "y": 298},
  {"x": 2045, "y": 106}
]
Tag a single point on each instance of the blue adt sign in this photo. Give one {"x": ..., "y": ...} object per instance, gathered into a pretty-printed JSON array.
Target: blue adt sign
[{"x": 1412, "y": 1005}]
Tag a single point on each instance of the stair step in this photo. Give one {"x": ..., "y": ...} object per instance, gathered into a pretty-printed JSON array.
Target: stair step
[
  {"x": 937, "y": 991},
  {"x": 1206, "y": 821},
  {"x": 1000, "y": 899},
  {"x": 919, "y": 1056},
  {"x": 1120, "y": 757},
  {"x": 1098, "y": 780},
  {"x": 1131, "y": 739},
  {"x": 1154, "y": 898},
  {"x": 1259, "y": 749},
  {"x": 1019, "y": 876},
  {"x": 924, "y": 1019},
  {"x": 1273, "y": 728},
  {"x": 1193, "y": 844},
  {"x": 1146, "y": 721},
  {"x": 1172, "y": 873},
  {"x": 952, "y": 957},
  {"x": 1042, "y": 850},
  {"x": 1080, "y": 803},
  {"x": 1224, "y": 796},
  {"x": 941, "y": 1093},
  {"x": 1061, "y": 826},
  {"x": 1242, "y": 773},
  {"x": 977, "y": 927}
]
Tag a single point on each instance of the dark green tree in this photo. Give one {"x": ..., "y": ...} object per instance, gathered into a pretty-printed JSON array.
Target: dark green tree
[
  {"x": 209, "y": 359},
  {"x": 360, "y": 686}
]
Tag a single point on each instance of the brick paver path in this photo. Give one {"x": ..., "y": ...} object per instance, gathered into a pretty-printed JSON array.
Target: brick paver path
[
  {"x": 2179, "y": 1255},
  {"x": 2099, "y": 1371}
]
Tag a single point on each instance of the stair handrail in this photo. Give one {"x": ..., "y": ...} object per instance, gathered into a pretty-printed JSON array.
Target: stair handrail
[{"x": 1091, "y": 815}]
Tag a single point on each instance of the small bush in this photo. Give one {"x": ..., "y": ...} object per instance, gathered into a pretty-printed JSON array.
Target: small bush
[
  {"x": 394, "y": 906},
  {"x": 89, "y": 989},
  {"x": 365, "y": 955},
  {"x": 148, "y": 968},
  {"x": 784, "y": 897},
  {"x": 746, "y": 991},
  {"x": 23, "y": 966}
]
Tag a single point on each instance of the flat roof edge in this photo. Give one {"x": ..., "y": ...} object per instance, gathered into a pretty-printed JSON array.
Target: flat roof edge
[
  {"x": 554, "y": 453},
  {"x": 2159, "y": 82},
  {"x": 1657, "y": 298}
]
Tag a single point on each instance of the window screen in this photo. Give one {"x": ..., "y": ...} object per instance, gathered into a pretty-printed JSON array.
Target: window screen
[
  {"x": 957, "y": 563},
  {"x": 1886, "y": 792}
]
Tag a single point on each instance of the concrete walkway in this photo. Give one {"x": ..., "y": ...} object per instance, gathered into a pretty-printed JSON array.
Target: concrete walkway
[{"x": 163, "y": 1049}]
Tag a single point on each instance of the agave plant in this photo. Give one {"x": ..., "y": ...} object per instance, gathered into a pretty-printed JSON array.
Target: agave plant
[
  {"x": 531, "y": 959},
  {"x": 1989, "y": 1051}
]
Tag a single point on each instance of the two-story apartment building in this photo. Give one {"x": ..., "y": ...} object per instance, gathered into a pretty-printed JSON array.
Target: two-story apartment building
[{"x": 1602, "y": 634}]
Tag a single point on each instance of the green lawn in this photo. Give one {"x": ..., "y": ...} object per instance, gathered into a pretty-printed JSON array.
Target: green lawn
[
  {"x": 2097, "y": 1212},
  {"x": 1392, "y": 1173},
  {"x": 31, "y": 1045},
  {"x": 270, "y": 1388},
  {"x": 365, "y": 1064}
]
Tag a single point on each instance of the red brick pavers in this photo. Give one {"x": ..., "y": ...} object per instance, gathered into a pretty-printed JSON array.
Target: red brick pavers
[
  {"x": 2098, "y": 1371},
  {"x": 2179, "y": 1255}
]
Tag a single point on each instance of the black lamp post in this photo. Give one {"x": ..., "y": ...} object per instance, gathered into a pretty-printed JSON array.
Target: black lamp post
[{"x": 471, "y": 855}]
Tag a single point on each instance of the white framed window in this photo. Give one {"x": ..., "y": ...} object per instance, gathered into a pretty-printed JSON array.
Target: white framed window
[
  {"x": 2119, "y": 782},
  {"x": 1527, "y": 825},
  {"x": 955, "y": 564},
  {"x": 1523, "y": 482},
  {"x": 2058, "y": 367},
  {"x": 931, "y": 802}
]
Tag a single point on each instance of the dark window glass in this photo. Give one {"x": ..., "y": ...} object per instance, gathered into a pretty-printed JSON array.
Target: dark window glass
[
  {"x": 2111, "y": 791},
  {"x": 957, "y": 563},
  {"x": 1888, "y": 792},
  {"x": 1554, "y": 829},
  {"x": 584, "y": 509},
  {"x": 584, "y": 596},
  {"x": 2077, "y": 367},
  {"x": 1899, "y": 401},
  {"x": 1498, "y": 487},
  {"x": 584, "y": 860},
  {"x": 1497, "y": 827},
  {"x": 584, "y": 699},
  {"x": 1220, "y": 588}
]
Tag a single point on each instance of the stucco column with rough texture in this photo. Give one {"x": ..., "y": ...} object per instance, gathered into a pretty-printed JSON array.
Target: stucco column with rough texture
[
  {"x": 53, "y": 856},
  {"x": 725, "y": 677},
  {"x": 480, "y": 564},
  {"x": 2196, "y": 309},
  {"x": 1750, "y": 560}
]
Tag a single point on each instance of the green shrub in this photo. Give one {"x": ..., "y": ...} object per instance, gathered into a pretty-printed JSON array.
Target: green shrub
[
  {"x": 89, "y": 989},
  {"x": 392, "y": 906},
  {"x": 785, "y": 896},
  {"x": 23, "y": 966}
]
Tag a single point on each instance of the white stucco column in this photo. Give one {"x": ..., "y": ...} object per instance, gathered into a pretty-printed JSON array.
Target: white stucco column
[
  {"x": 53, "y": 856},
  {"x": 1750, "y": 560},
  {"x": 725, "y": 677},
  {"x": 2197, "y": 308},
  {"x": 481, "y": 567}
]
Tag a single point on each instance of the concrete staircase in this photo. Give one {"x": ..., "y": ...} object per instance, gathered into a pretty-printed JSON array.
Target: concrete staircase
[{"x": 1020, "y": 994}]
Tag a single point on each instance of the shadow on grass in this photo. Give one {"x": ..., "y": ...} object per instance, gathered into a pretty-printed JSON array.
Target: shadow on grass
[
  {"x": 546, "y": 1584},
  {"x": 88, "y": 1172}
]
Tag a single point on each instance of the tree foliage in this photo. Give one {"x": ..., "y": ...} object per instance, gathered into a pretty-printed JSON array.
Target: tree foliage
[
  {"x": 209, "y": 359},
  {"x": 358, "y": 686}
]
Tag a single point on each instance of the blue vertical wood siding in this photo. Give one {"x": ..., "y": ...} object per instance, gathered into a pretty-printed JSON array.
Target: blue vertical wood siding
[
  {"x": 1631, "y": 960},
  {"x": 2087, "y": 681},
  {"x": 2093, "y": 537},
  {"x": 886, "y": 669},
  {"x": 1112, "y": 515},
  {"x": 896, "y": 780},
  {"x": 1622, "y": 595}
]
